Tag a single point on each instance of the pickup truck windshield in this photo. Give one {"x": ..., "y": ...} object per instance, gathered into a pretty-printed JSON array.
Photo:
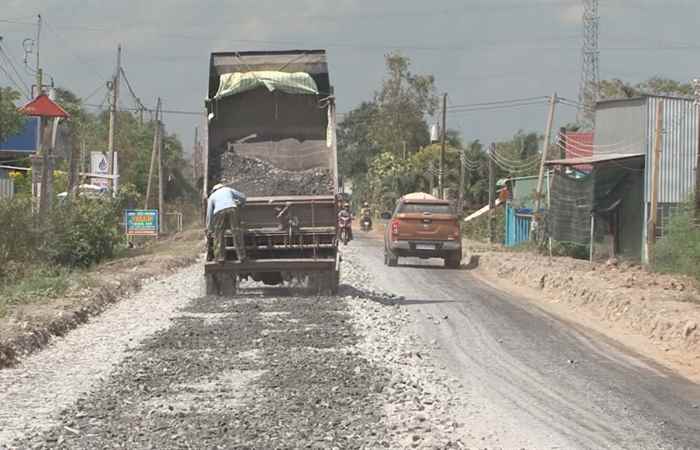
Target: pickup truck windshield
[{"x": 424, "y": 208}]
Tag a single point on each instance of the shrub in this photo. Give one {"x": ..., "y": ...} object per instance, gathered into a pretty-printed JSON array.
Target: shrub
[
  {"x": 478, "y": 229},
  {"x": 19, "y": 235},
  {"x": 679, "y": 250},
  {"x": 82, "y": 232}
]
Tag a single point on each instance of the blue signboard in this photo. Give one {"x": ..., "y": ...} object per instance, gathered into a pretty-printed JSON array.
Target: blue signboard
[
  {"x": 141, "y": 222},
  {"x": 26, "y": 141}
]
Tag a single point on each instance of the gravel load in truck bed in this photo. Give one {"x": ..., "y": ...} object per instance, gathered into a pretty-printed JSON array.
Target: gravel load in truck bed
[{"x": 256, "y": 177}]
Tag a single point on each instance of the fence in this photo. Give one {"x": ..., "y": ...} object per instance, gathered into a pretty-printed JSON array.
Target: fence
[
  {"x": 7, "y": 186},
  {"x": 517, "y": 227}
]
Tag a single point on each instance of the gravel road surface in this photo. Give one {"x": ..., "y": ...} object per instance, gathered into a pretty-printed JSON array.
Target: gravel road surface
[
  {"x": 532, "y": 379},
  {"x": 415, "y": 356}
]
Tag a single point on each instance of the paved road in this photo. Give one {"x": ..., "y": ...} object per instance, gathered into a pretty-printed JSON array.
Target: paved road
[{"x": 540, "y": 382}]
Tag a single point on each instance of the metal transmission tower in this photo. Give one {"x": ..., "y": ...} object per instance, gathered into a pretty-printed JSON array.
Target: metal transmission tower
[{"x": 588, "y": 90}]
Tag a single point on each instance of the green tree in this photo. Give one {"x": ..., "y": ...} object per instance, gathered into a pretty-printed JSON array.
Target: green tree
[
  {"x": 355, "y": 147},
  {"x": 11, "y": 121},
  {"x": 616, "y": 88},
  {"x": 403, "y": 103}
]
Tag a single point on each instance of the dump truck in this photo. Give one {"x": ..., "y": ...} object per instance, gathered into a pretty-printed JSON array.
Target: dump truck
[{"x": 272, "y": 135}]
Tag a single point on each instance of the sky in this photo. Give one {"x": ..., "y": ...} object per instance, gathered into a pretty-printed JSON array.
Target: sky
[{"x": 478, "y": 50}]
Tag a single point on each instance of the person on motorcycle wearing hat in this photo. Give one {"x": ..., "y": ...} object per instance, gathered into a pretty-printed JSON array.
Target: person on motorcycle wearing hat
[{"x": 345, "y": 213}]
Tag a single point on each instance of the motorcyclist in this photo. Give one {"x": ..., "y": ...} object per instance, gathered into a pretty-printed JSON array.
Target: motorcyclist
[
  {"x": 345, "y": 214},
  {"x": 366, "y": 214}
]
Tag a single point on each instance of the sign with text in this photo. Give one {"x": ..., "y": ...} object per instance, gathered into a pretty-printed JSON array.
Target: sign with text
[
  {"x": 99, "y": 166},
  {"x": 141, "y": 222}
]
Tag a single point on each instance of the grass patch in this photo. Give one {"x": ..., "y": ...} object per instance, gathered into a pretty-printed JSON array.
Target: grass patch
[
  {"x": 40, "y": 282},
  {"x": 679, "y": 250}
]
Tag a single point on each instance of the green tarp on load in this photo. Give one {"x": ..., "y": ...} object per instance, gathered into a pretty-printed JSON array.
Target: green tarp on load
[{"x": 289, "y": 83}]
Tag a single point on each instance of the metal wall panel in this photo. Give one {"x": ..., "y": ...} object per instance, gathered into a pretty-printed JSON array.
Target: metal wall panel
[
  {"x": 678, "y": 150},
  {"x": 620, "y": 127},
  {"x": 7, "y": 186}
]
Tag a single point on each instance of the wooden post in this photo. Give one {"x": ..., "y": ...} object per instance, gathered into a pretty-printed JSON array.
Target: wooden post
[
  {"x": 154, "y": 151},
  {"x": 492, "y": 194},
  {"x": 592, "y": 244},
  {"x": 651, "y": 228},
  {"x": 545, "y": 148}
]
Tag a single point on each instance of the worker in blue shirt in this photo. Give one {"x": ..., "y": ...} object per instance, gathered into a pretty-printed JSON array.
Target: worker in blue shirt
[{"x": 223, "y": 212}]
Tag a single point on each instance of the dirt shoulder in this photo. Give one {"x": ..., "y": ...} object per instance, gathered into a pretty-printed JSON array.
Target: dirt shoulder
[
  {"x": 30, "y": 324},
  {"x": 657, "y": 315}
]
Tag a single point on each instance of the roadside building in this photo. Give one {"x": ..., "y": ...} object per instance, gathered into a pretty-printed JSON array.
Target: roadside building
[{"x": 612, "y": 203}]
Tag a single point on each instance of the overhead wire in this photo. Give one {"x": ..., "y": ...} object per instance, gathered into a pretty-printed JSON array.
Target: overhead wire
[{"x": 9, "y": 61}]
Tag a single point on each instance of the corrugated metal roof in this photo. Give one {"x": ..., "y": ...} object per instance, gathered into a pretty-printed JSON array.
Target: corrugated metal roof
[{"x": 594, "y": 159}]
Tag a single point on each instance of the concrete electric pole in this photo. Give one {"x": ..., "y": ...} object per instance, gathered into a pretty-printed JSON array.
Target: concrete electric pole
[
  {"x": 696, "y": 86},
  {"x": 441, "y": 173},
  {"x": 113, "y": 117},
  {"x": 154, "y": 152}
]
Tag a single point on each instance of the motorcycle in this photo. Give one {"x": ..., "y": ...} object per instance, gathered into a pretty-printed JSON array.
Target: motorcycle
[
  {"x": 366, "y": 223},
  {"x": 344, "y": 224}
]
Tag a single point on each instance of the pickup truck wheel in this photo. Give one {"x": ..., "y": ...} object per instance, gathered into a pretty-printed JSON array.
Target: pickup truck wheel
[
  {"x": 391, "y": 259},
  {"x": 453, "y": 262}
]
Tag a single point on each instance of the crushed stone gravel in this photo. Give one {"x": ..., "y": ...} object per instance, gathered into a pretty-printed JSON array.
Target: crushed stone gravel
[{"x": 269, "y": 368}]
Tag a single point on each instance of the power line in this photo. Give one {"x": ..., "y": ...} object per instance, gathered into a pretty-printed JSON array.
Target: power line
[
  {"x": 9, "y": 77},
  {"x": 168, "y": 111},
  {"x": 498, "y": 102},
  {"x": 7, "y": 58},
  {"x": 496, "y": 107},
  {"x": 137, "y": 100}
]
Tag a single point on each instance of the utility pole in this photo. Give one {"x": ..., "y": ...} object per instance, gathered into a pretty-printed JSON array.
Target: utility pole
[
  {"x": 154, "y": 151},
  {"x": 441, "y": 173},
  {"x": 696, "y": 85},
  {"x": 161, "y": 179},
  {"x": 462, "y": 170},
  {"x": 195, "y": 156},
  {"x": 113, "y": 115},
  {"x": 545, "y": 148},
  {"x": 492, "y": 194},
  {"x": 39, "y": 71},
  {"x": 651, "y": 228}
]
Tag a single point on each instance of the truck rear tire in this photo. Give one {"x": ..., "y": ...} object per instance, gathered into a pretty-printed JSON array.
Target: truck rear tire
[
  {"x": 324, "y": 283},
  {"x": 228, "y": 284},
  {"x": 222, "y": 284}
]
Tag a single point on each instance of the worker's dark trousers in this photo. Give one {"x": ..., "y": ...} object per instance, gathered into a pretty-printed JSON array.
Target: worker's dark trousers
[{"x": 229, "y": 219}]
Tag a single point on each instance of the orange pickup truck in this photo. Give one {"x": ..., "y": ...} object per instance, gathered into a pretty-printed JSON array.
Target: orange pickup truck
[{"x": 425, "y": 227}]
